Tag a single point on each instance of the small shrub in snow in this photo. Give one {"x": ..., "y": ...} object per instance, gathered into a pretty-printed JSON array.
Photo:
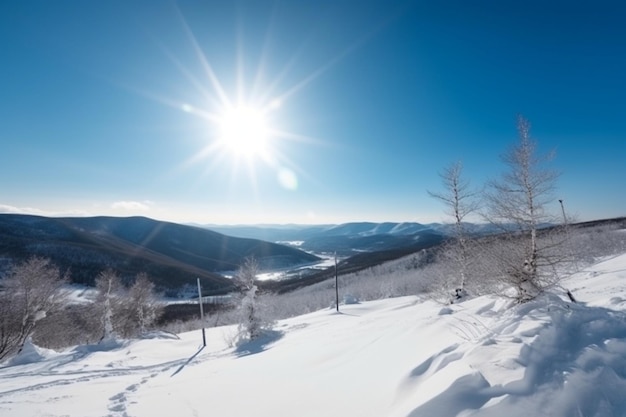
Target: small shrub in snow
[
  {"x": 445, "y": 311},
  {"x": 350, "y": 299}
]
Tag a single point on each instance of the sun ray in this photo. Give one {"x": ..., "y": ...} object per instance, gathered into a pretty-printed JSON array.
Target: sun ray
[
  {"x": 240, "y": 67},
  {"x": 335, "y": 60},
  {"x": 189, "y": 76},
  {"x": 283, "y": 134},
  {"x": 241, "y": 136},
  {"x": 257, "y": 85},
  {"x": 215, "y": 83}
]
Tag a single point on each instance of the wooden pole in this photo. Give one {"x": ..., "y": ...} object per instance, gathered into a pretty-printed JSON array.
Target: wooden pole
[
  {"x": 201, "y": 313},
  {"x": 564, "y": 216},
  {"x": 336, "y": 284}
]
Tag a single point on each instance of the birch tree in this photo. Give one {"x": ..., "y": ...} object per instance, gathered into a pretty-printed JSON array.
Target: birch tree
[
  {"x": 109, "y": 286},
  {"x": 518, "y": 204},
  {"x": 460, "y": 201}
]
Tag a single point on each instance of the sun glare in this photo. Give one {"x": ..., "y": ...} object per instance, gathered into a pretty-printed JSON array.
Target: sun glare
[
  {"x": 240, "y": 124},
  {"x": 243, "y": 131}
]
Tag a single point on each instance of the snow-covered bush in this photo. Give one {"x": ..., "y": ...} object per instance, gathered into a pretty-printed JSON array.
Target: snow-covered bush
[
  {"x": 76, "y": 324},
  {"x": 589, "y": 243}
]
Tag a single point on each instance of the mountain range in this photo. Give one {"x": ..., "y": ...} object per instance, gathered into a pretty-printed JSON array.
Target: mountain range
[
  {"x": 176, "y": 255},
  {"x": 173, "y": 255},
  {"x": 348, "y": 239}
]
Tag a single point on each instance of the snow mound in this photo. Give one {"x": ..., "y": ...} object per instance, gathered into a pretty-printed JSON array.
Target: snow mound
[
  {"x": 158, "y": 334},
  {"x": 30, "y": 353},
  {"x": 571, "y": 360},
  {"x": 104, "y": 346}
]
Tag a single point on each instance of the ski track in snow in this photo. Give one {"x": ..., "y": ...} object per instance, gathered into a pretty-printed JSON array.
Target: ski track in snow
[{"x": 60, "y": 373}]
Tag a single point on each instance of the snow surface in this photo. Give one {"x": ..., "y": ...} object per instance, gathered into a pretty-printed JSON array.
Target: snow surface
[{"x": 405, "y": 357}]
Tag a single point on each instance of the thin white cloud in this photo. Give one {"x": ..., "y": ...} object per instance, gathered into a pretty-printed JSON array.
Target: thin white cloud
[
  {"x": 131, "y": 205},
  {"x": 8, "y": 209},
  {"x": 4, "y": 208}
]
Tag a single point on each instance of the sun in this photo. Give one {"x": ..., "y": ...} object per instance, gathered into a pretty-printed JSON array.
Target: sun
[
  {"x": 243, "y": 131},
  {"x": 242, "y": 127}
]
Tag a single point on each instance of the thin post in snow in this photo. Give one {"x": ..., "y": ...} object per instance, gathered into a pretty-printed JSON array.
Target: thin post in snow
[
  {"x": 336, "y": 284},
  {"x": 566, "y": 226},
  {"x": 201, "y": 313},
  {"x": 564, "y": 216}
]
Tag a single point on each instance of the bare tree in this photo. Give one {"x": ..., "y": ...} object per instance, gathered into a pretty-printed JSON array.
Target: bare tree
[
  {"x": 145, "y": 308},
  {"x": 518, "y": 204},
  {"x": 460, "y": 201},
  {"x": 30, "y": 291},
  {"x": 126, "y": 312},
  {"x": 109, "y": 286}
]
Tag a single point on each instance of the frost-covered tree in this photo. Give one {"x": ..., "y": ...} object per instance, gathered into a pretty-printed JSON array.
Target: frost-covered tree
[
  {"x": 29, "y": 292},
  {"x": 144, "y": 306},
  {"x": 108, "y": 301},
  {"x": 460, "y": 201},
  {"x": 126, "y": 312},
  {"x": 518, "y": 203},
  {"x": 251, "y": 321}
]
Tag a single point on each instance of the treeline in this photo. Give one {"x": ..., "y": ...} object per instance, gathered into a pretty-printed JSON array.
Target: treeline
[{"x": 35, "y": 303}]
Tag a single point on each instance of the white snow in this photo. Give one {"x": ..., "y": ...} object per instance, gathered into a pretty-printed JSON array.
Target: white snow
[{"x": 405, "y": 357}]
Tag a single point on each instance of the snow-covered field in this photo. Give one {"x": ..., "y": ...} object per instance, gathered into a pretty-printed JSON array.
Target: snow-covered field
[{"x": 396, "y": 357}]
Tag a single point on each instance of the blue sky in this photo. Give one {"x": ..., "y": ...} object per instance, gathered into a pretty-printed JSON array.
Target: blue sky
[{"x": 114, "y": 108}]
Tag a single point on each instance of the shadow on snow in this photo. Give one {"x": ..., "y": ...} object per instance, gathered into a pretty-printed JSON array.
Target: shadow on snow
[{"x": 258, "y": 345}]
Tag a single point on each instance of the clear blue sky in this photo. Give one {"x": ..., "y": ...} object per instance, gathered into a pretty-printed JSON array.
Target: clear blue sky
[{"x": 114, "y": 107}]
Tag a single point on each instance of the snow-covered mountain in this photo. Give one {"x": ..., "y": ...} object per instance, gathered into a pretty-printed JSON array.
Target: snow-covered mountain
[
  {"x": 351, "y": 238},
  {"x": 345, "y": 239},
  {"x": 353, "y": 229},
  {"x": 399, "y": 357}
]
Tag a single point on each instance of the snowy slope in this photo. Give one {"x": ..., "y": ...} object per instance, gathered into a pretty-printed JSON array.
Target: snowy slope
[{"x": 395, "y": 357}]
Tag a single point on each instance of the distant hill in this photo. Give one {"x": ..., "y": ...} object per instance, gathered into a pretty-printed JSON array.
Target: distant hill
[
  {"x": 345, "y": 239},
  {"x": 172, "y": 254},
  {"x": 426, "y": 239}
]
